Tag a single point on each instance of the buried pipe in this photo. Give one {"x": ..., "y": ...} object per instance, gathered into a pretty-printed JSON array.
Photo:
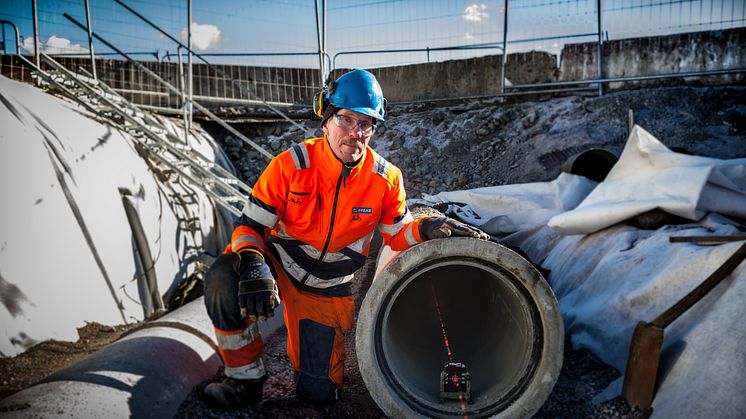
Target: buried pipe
[
  {"x": 500, "y": 316},
  {"x": 147, "y": 373}
]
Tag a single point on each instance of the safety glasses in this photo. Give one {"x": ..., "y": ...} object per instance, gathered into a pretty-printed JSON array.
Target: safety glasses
[{"x": 349, "y": 123}]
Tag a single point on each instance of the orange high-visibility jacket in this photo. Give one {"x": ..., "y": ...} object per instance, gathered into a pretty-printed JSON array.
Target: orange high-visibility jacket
[{"x": 317, "y": 216}]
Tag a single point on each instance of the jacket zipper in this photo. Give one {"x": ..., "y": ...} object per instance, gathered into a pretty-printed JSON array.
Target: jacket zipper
[{"x": 343, "y": 175}]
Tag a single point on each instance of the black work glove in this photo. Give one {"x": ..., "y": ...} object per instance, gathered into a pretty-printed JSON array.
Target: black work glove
[
  {"x": 441, "y": 227},
  {"x": 257, "y": 290}
]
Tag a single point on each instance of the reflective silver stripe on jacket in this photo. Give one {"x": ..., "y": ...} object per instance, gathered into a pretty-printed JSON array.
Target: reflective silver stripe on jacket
[
  {"x": 381, "y": 167},
  {"x": 246, "y": 238},
  {"x": 251, "y": 371},
  {"x": 294, "y": 270},
  {"x": 299, "y": 152},
  {"x": 409, "y": 235},
  {"x": 238, "y": 341},
  {"x": 357, "y": 246},
  {"x": 259, "y": 214},
  {"x": 394, "y": 229}
]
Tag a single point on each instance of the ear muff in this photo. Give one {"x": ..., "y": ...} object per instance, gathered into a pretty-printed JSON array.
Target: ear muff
[
  {"x": 321, "y": 99},
  {"x": 318, "y": 103}
]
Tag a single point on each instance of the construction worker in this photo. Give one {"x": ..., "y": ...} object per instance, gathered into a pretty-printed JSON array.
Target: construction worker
[{"x": 305, "y": 230}]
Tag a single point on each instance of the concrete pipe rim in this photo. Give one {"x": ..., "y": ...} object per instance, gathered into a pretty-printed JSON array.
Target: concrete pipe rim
[{"x": 502, "y": 272}]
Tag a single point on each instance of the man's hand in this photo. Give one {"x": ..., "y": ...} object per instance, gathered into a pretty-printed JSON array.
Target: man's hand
[
  {"x": 257, "y": 290},
  {"x": 441, "y": 227}
]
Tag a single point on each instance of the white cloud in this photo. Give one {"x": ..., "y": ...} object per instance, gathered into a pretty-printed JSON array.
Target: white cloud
[
  {"x": 203, "y": 36},
  {"x": 476, "y": 12},
  {"x": 54, "y": 45},
  {"x": 469, "y": 36}
]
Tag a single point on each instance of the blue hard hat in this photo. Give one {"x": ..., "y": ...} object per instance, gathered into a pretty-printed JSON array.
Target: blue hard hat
[{"x": 359, "y": 92}]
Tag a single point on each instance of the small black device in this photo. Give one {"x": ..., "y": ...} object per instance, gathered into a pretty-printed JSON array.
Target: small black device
[{"x": 455, "y": 382}]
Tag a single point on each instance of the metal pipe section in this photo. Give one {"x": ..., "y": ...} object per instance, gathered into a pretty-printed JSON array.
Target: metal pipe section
[
  {"x": 500, "y": 317},
  {"x": 147, "y": 373}
]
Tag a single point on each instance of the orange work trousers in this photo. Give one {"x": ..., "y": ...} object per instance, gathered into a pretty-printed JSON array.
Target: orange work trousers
[{"x": 316, "y": 344}]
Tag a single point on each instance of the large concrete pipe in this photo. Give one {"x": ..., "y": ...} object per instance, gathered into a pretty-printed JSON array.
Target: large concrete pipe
[
  {"x": 146, "y": 374},
  {"x": 497, "y": 312}
]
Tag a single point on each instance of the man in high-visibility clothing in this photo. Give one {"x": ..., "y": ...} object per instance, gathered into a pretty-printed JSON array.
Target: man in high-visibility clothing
[{"x": 305, "y": 230}]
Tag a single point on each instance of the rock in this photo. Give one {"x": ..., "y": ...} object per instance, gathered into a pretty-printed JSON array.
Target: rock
[
  {"x": 483, "y": 132},
  {"x": 530, "y": 119}
]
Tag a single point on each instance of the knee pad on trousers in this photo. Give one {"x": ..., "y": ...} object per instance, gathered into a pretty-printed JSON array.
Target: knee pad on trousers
[
  {"x": 312, "y": 382},
  {"x": 221, "y": 294}
]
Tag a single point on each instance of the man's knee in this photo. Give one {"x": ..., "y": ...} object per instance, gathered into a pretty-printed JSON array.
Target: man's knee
[
  {"x": 312, "y": 382},
  {"x": 315, "y": 390},
  {"x": 221, "y": 294}
]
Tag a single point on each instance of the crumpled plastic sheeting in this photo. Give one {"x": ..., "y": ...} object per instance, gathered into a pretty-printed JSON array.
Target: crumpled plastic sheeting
[
  {"x": 607, "y": 282},
  {"x": 648, "y": 176},
  {"x": 508, "y": 208}
]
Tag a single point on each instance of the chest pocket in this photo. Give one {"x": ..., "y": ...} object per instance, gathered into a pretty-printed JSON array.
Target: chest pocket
[{"x": 304, "y": 206}]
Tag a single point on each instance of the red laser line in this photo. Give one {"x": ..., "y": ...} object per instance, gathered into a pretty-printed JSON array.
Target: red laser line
[
  {"x": 442, "y": 326},
  {"x": 448, "y": 347}
]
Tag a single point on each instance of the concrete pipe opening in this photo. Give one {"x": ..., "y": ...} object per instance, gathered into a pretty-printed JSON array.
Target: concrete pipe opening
[{"x": 500, "y": 318}]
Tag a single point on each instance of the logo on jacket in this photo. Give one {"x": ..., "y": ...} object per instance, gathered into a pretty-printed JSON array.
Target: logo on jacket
[{"x": 362, "y": 210}]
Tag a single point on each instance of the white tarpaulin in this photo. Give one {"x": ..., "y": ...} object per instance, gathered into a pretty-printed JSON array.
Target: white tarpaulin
[
  {"x": 609, "y": 280},
  {"x": 508, "y": 208},
  {"x": 66, "y": 248},
  {"x": 648, "y": 176}
]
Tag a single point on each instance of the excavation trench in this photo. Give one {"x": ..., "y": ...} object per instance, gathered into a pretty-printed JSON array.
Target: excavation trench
[{"x": 489, "y": 306}]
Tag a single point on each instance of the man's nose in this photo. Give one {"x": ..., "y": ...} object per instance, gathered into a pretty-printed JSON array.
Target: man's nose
[{"x": 356, "y": 131}]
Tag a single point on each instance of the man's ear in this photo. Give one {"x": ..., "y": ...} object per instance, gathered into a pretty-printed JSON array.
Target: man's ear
[{"x": 326, "y": 130}]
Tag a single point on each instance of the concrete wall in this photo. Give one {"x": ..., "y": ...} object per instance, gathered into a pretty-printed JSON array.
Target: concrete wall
[
  {"x": 680, "y": 53},
  {"x": 472, "y": 77}
]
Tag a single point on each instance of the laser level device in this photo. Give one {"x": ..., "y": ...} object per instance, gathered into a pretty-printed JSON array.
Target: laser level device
[{"x": 455, "y": 382}]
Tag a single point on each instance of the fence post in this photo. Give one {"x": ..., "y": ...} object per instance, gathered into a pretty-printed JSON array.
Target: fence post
[
  {"x": 600, "y": 51},
  {"x": 34, "y": 12},
  {"x": 189, "y": 64},
  {"x": 321, "y": 38},
  {"x": 90, "y": 39},
  {"x": 505, "y": 52}
]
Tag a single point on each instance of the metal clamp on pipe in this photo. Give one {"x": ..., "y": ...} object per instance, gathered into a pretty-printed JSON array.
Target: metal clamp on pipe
[{"x": 459, "y": 299}]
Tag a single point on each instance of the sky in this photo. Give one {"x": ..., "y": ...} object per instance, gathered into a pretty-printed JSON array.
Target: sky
[{"x": 289, "y": 27}]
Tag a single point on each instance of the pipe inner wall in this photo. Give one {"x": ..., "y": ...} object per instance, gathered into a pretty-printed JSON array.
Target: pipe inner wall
[{"x": 499, "y": 316}]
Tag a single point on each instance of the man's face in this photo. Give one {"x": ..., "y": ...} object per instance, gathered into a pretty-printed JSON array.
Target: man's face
[{"x": 348, "y": 134}]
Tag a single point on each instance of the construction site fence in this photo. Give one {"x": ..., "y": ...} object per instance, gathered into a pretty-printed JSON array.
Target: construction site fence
[
  {"x": 550, "y": 45},
  {"x": 714, "y": 57}
]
